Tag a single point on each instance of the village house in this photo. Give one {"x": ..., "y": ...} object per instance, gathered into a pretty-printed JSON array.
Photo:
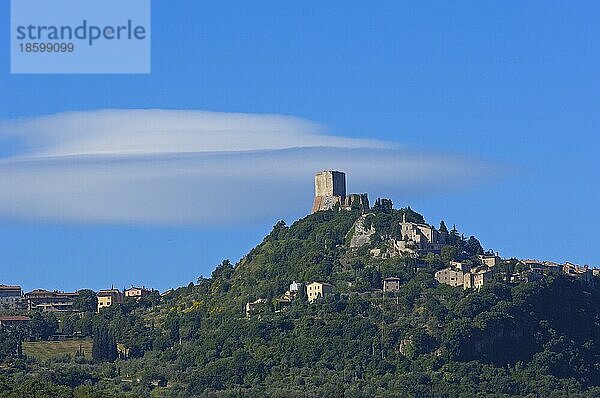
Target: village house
[
  {"x": 11, "y": 297},
  {"x": 449, "y": 276},
  {"x": 45, "y": 300},
  {"x": 490, "y": 260},
  {"x": 525, "y": 276},
  {"x": 14, "y": 321},
  {"x": 108, "y": 297},
  {"x": 418, "y": 237},
  {"x": 318, "y": 290},
  {"x": 391, "y": 284},
  {"x": 476, "y": 278},
  {"x": 584, "y": 273},
  {"x": 137, "y": 292},
  {"x": 375, "y": 252},
  {"x": 296, "y": 286},
  {"x": 539, "y": 267},
  {"x": 295, "y": 289}
]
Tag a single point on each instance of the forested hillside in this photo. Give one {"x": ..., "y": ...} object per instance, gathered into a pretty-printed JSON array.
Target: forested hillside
[{"x": 527, "y": 339}]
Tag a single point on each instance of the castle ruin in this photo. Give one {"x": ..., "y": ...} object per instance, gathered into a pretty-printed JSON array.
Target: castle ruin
[{"x": 330, "y": 192}]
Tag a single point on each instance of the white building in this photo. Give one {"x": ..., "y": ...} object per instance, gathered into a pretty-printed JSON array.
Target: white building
[{"x": 391, "y": 284}]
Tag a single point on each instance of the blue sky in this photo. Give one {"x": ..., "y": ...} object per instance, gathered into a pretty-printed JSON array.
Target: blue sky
[{"x": 502, "y": 93}]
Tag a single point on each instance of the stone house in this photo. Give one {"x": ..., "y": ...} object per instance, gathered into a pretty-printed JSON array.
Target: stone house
[
  {"x": 137, "y": 292},
  {"x": 545, "y": 267},
  {"x": 489, "y": 260},
  {"x": 419, "y": 237},
  {"x": 11, "y": 321},
  {"x": 108, "y": 297},
  {"x": 476, "y": 278},
  {"x": 584, "y": 273},
  {"x": 391, "y": 284},
  {"x": 318, "y": 290},
  {"x": 449, "y": 276},
  {"x": 11, "y": 297}
]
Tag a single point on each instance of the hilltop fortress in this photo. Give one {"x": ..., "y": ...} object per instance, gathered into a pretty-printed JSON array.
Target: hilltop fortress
[{"x": 330, "y": 191}]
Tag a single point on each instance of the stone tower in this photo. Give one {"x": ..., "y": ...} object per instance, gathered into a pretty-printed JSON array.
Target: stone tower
[
  {"x": 330, "y": 191},
  {"x": 330, "y": 183}
]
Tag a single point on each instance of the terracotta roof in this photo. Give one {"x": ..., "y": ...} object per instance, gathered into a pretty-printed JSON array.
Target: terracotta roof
[
  {"x": 56, "y": 293},
  {"x": 7, "y": 287},
  {"x": 321, "y": 283},
  {"x": 14, "y": 318},
  {"x": 137, "y": 288},
  {"x": 39, "y": 291},
  {"x": 108, "y": 292}
]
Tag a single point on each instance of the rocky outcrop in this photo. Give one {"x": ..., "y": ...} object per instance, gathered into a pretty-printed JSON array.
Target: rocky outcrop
[{"x": 360, "y": 234}]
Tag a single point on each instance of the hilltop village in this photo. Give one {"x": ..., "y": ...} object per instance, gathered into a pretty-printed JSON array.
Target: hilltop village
[
  {"x": 414, "y": 240},
  {"x": 356, "y": 296}
]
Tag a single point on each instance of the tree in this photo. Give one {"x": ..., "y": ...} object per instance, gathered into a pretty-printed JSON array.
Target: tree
[
  {"x": 473, "y": 247},
  {"x": 8, "y": 345},
  {"x": 443, "y": 228},
  {"x": 86, "y": 325},
  {"x": 173, "y": 324},
  {"x": 223, "y": 270},
  {"x": 279, "y": 231},
  {"x": 104, "y": 346},
  {"x": 38, "y": 325},
  {"x": 51, "y": 325},
  {"x": 383, "y": 205},
  {"x": 147, "y": 301},
  {"x": 454, "y": 236},
  {"x": 68, "y": 325},
  {"x": 448, "y": 253},
  {"x": 42, "y": 327},
  {"x": 86, "y": 301},
  {"x": 396, "y": 231}
]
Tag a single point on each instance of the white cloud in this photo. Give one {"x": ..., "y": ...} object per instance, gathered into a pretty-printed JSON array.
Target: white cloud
[
  {"x": 155, "y": 131},
  {"x": 201, "y": 168}
]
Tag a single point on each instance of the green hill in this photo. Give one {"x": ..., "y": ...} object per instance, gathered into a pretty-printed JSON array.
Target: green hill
[{"x": 426, "y": 340}]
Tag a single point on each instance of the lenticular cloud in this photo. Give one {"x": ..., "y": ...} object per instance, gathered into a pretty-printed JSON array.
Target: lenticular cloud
[{"x": 198, "y": 168}]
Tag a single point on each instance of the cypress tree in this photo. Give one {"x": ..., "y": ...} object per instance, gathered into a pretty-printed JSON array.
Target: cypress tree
[{"x": 104, "y": 346}]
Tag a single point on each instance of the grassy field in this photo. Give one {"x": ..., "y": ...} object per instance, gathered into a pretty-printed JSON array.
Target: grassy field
[{"x": 42, "y": 350}]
